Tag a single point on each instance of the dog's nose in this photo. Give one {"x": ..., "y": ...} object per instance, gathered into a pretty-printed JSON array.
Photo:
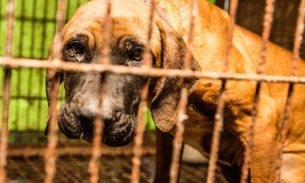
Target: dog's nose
[
  {"x": 89, "y": 115},
  {"x": 90, "y": 110}
]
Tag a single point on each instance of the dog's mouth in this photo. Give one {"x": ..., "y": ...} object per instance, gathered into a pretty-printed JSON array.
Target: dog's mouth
[{"x": 117, "y": 132}]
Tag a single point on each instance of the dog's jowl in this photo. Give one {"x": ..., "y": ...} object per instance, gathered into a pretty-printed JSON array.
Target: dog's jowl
[{"x": 82, "y": 43}]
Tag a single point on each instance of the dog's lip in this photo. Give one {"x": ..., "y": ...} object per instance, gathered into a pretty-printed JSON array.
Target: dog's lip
[
  {"x": 119, "y": 138},
  {"x": 111, "y": 140}
]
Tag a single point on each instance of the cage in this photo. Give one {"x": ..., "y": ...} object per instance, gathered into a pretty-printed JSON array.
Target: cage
[{"x": 29, "y": 152}]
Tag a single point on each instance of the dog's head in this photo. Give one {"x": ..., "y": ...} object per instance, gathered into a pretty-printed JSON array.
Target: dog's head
[{"x": 83, "y": 40}]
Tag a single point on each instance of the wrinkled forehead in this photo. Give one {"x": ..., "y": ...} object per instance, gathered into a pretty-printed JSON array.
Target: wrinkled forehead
[{"x": 130, "y": 17}]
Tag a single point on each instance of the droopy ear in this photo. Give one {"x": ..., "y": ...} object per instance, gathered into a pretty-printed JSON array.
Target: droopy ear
[
  {"x": 164, "y": 105},
  {"x": 53, "y": 80}
]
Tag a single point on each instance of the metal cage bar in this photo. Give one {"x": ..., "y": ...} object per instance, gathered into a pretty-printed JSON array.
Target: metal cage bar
[
  {"x": 147, "y": 71},
  {"x": 218, "y": 126},
  {"x": 138, "y": 140},
  {"x": 99, "y": 121},
  {"x": 6, "y": 90},
  {"x": 295, "y": 60},
  {"x": 182, "y": 116},
  {"x": 261, "y": 69},
  {"x": 50, "y": 161}
]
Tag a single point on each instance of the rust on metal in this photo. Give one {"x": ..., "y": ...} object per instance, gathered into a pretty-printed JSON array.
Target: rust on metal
[
  {"x": 268, "y": 17},
  {"x": 50, "y": 160},
  {"x": 153, "y": 72},
  {"x": 218, "y": 126},
  {"x": 98, "y": 124},
  {"x": 178, "y": 139},
  {"x": 6, "y": 90},
  {"x": 296, "y": 58},
  {"x": 138, "y": 140},
  {"x": 231, "y": 25},
  {"x": 182, "y": 109},
  {"x": 147, "y": 50},
  {"x": 107, "y": 35}
]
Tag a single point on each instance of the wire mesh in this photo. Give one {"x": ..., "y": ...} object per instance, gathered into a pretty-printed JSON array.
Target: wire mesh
[
  {"x": 74, "y": 169},
  {"x": 6, "y": 91}
]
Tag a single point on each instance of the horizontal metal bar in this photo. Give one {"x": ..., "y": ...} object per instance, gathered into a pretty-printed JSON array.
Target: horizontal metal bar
[
  {"x": 154, "y": 72},
  {"x": 29, "y": 97}
]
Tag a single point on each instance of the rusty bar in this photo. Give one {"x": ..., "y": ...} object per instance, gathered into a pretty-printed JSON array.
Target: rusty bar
[
  {"x": 233, "y": 9},
  {"x": 178, "y": 139},
  {"x": 107, "y": 35},
  {"x": 153, "y": 72},
  {"x": 268, "y": 17},
  {"x": 138, "y": 140},
  {"x": 218, "y": 126},
  {"x": 6, "y": 90},
  {"x": 98, "y": 127},
  {"x": 248, "y": 151},
  {"x": 98, "y": 124},
  {"x": 147, "y": 52},
  {"x": 188, "y": 52},
  {"x": 295, "y": 61},
  {"x": 50, "y": 160}
]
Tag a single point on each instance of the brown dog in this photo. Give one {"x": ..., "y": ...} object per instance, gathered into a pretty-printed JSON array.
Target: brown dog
[{"x": 83, "y": 40}]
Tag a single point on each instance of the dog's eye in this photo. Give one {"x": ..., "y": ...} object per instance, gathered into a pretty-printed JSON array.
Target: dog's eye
[
  {"x": 137, "y": 55},
  {"x": 77, "y": 48}
]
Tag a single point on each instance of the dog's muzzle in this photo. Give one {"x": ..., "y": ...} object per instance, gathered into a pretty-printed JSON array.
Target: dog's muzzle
[{"x": 119, "y": 128}]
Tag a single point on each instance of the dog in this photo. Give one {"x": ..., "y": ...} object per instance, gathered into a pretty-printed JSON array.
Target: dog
[{"x": 83, "y": 40}]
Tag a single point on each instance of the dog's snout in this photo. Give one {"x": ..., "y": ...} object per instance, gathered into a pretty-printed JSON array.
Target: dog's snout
[
  {"x": 90, "y": 110},
  {"x": 88, "y": 114}
]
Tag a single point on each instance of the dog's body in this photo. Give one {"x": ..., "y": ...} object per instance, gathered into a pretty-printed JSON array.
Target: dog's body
[{"x": 129, "y": 32}]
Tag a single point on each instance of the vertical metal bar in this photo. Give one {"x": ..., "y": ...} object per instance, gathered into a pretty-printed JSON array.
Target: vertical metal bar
[
  {"x": 218, "y": 126},
  {"x": 50, "y": 161},
  {"x": 98, "y": 124},
  {"x": 268, "y": 17},
  {"x": 6, "y": 90},
  {"x": 295, "y": 61},
  {"x": 138, "y": 140},
  {"x": 178, "y": 139}
]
